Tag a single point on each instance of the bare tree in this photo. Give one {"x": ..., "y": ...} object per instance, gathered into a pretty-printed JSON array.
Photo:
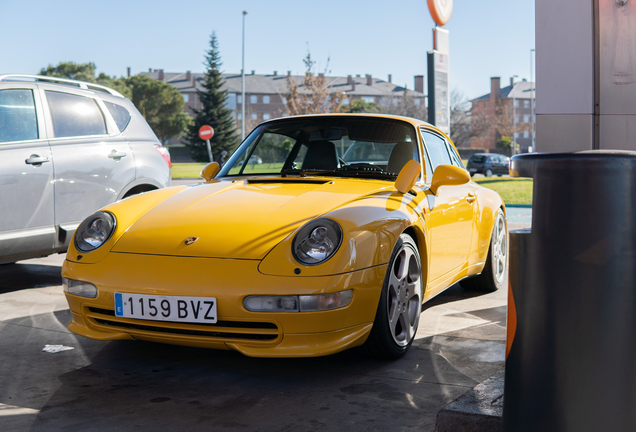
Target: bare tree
[
  {"x": 460, "y": 119},
  {"x": 314, "y": 95},
  {"x": 405, "y": 105}
]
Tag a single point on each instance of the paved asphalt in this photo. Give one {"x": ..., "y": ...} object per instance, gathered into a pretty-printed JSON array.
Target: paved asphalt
[{"x": 140, "y": 386}]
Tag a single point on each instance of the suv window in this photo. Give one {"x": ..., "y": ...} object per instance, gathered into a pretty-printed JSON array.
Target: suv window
[
  {"x": 74, "y": 115},
  {"x": 120, "y": 115},
  {"x": 17, "y": 115}
]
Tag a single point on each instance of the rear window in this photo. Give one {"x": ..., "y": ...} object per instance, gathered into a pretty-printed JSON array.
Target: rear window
[
  {"x": 74, "y": 115},
  {"x": 477, "y": 159},
  {"x": 120, "y": 115}
]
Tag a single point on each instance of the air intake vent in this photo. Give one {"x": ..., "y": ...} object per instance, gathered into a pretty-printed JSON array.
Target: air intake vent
[{"x": 287, "y": 180}]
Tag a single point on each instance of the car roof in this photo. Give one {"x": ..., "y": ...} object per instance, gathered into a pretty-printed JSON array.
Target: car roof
[
  {"x": 413, "y": 121},
  {"x": 51, "y": 80}
]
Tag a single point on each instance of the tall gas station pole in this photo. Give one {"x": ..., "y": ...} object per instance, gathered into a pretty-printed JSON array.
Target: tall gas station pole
[{"x": 439, "y": 67}]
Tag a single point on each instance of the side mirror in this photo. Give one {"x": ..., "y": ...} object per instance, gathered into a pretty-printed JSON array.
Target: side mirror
[
  {"x": 448, "y": 175},
  {"x": 210, "y": 171},
  {"x": 408, "y": 176}
]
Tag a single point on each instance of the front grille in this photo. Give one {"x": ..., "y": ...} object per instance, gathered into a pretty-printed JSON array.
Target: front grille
[
  {"x": 212, "y": 334},
  {"x": 231, "y": 324},
  {"x": 217, "y": 330}
]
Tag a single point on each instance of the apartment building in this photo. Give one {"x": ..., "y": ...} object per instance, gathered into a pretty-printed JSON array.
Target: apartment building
[
  {"x": 508, "y": 109},
  {"x": 264, "y": 94}
]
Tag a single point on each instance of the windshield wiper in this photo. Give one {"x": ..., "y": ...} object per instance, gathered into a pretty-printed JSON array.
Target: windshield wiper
[
  {"x": 346, "y": 171},
  {"x": 304, "y": 172}
]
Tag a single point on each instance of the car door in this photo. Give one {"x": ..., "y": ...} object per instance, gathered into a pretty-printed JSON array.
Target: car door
[
  {"x": 26, "y": 175},
  {"x": 451, "y": 214},
  {"x": 93, "y": 162}
]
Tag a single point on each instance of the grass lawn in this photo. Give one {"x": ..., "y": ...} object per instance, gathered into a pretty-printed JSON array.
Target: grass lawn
[
  {"x": 187, "y": 170},
  {"x": 512, "y": 190}
]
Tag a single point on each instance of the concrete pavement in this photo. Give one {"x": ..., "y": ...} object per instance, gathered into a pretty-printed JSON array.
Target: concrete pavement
[
  {"x": 122, "y": 385},
  {"x": 139, "y": 386}
]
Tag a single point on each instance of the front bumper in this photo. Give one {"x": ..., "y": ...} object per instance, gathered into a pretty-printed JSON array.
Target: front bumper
[{"x": 259, "y": 334}]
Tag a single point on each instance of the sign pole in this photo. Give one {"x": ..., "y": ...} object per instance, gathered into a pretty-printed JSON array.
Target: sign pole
[
  {"x": 207, "y": 144},
  {"x": 205, "y": 133},
  {"x": 438, "y": 67}
]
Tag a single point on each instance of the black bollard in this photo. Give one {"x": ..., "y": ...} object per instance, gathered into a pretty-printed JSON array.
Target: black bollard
[{"x": 571, "y": 349}]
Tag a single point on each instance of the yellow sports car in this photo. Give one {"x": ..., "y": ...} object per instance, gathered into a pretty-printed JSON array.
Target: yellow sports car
[{"x": 333, "y": 239}]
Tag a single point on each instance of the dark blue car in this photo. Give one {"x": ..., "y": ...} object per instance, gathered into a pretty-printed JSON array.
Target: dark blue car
[{"x": 488, "y": 164}]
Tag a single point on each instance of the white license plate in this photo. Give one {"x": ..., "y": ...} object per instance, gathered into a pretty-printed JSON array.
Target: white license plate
[
  {"x": 166, "y": 308},
  {"x": 473, "y": 170}
]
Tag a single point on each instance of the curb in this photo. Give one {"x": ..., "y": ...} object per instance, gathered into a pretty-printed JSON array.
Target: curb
[{"x": 478, "y": 410}]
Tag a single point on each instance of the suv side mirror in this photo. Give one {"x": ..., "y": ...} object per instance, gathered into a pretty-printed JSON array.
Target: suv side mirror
[
  {"x": 408, "y": 176},
  {"x": 210, "y": 171},
  {"x": 448, "y": 175}
]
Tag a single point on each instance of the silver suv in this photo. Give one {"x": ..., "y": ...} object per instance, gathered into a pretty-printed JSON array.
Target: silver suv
[{"x": 67, "y": 148}]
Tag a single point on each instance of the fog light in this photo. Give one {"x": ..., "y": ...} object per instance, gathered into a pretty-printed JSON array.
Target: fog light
[
  {"x": 79, "y": 288},
  {"x": 271, "y": 303},
  {"x": 304, "y": 303},
  {"x": 312, "y": 303}
]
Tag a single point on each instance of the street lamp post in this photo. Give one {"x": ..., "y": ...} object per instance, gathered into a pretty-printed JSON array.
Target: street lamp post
[
  {"x": 243, "y": 82},
  {"x": 532, "y": 96},
  {"x": 514, "y": 116}
]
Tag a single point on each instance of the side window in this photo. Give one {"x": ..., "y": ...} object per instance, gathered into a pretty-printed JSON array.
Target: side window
[
  {"x": 120, "y": 115},
  {"x": 74, "y": 115},
  {"x": 17, "y": 115},
  {"x": 457, "y": 161},
  {"x": 437, "y": 152}
]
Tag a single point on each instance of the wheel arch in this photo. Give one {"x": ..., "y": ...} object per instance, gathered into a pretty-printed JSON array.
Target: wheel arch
[
  {"x": 418, "y": 236},
  {"x": 139, "y": 186}
]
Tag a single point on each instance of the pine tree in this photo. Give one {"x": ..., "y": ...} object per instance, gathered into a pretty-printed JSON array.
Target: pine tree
[{"x": 213, "y": 111}]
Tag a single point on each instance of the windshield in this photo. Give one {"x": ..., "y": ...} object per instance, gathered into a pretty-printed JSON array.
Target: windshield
[{"x": 335, "y": 146}]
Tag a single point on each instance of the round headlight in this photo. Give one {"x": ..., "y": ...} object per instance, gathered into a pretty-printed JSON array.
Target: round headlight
[
  {"x": 317, "y": 241},
  {"x": 94, "y": 231}
]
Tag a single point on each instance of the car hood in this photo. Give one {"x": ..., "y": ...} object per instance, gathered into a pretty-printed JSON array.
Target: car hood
[{"x": 243, "y": 219}]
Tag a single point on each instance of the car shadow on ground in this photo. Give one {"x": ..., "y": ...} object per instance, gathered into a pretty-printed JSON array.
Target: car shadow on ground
[
  {"x": 19, "y": 276},
  {"x": 135, "y": 385},
  {"x": 454, "y": 293}
]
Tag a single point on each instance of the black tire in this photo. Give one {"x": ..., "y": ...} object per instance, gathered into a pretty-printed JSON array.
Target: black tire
[
  {"x": 493, "y": 276},
  {"x": 398, "y": 313}
]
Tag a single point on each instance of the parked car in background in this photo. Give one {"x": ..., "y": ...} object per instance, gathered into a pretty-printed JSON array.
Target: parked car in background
[
  {"x": 255, "y": 160},
  {"x": 67, "y": 148},
  {"x": 488, "y": 164}
]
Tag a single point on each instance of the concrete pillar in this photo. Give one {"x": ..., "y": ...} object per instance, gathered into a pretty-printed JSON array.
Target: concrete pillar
[{"x": 586, "y": 75}]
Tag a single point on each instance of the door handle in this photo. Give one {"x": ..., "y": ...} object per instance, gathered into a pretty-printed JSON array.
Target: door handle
[
  {"x": 36, "y": 160},
  {"x": 117, "y": 155},
  {"x": 471, "y": 197}
]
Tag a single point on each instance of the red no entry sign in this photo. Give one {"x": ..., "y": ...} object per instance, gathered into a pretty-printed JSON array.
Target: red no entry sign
[{"x": 206, "y": 132}]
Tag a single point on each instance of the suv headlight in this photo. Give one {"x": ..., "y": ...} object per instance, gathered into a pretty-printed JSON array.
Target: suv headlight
[
  {"x": 94, "y": 231},
  {"x": 317, "y": 241}
]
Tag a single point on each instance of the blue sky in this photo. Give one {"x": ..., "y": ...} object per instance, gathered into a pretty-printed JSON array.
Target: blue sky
[{"x": 487, "y": 38}]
